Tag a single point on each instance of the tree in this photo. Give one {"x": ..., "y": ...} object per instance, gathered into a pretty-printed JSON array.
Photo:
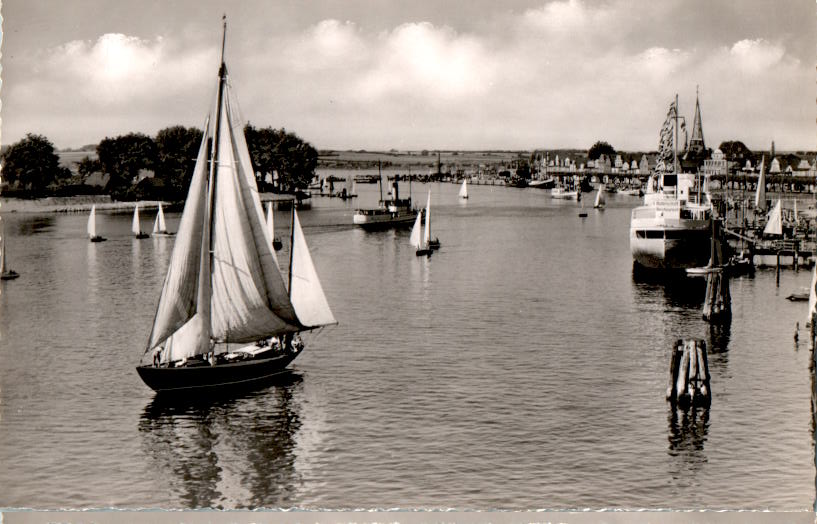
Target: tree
[
  {"x": 275, "y": 150},
  {"x": 122, "y": 158},
  {"x": 32, "y": 164},
  {"x": 736, "y": 150},
  {"x": 600, "y": 148},
  {"x": 87, "y": 166},
  {"x": 176, "y": 151}
]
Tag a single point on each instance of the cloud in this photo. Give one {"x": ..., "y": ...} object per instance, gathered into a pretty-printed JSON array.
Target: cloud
[
  {"x": 756, "y": 56},
  {"x": 562, "y": 74}
]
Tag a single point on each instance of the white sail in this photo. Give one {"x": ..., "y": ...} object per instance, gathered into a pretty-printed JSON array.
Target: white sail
[
  {"x": 270, "y": 222},
  {"x": 159, "y": 224},
  {"x": 600, "y": 202},
  {"x": 774, "y": 226},
  {"x": 349, "y": 185},
  {"x": 306, "y": 292},
  {"x": 796, "y": 217},
  {"x": 427, "y": 228},
  {"x": 135, "y": 225},
  {"x": 92, "y": 222},
  {"x": 249, "y": 297},
  {"x": 178, "y": 300},
  {"x": 464, "y": 189},
  {"x": 760, "y": 195},
  {"x": 416, "y": 231}
]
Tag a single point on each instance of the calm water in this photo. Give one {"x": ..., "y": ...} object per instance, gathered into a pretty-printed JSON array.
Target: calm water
[{"x": 521, "y": 366}]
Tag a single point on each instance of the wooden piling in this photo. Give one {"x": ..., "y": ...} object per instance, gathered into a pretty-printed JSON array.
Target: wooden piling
[
  {"x": 689, "y": 375},
  {"x": 718, "y": 301}
]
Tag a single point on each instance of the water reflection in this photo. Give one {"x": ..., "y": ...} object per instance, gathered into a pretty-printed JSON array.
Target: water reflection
[
  {"x": 34, "y": 225},
  {"x": 236, "y": 452},
  {"x": 688, "y": 430},
  {"x": 679, "y": 291}
]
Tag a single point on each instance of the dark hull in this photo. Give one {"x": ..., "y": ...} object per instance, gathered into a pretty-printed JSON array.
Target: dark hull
[
  {"x": 9, "y": 275},
  {"x": 142, "y": 235},
  {"x": 388, "y": 223},
  {"x": 423, "y": 252},
  {"x": 98, "y": 239},
  {"x": 247, "y": 373}
]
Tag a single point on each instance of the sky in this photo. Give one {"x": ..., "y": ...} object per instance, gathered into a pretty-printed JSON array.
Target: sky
[{"x": 382, "y": 74}]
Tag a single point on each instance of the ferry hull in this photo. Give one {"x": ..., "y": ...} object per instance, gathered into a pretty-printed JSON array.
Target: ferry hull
[
  {"x": 247, "y": 373},
  {"x": 692, "y": 249},
  {"x": 375, "y": 222}
]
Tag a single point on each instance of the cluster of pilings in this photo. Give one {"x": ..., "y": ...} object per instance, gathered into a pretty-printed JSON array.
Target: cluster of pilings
[
  {"x": 718, "y": 301},
  {"x": 689, "y": 375}
]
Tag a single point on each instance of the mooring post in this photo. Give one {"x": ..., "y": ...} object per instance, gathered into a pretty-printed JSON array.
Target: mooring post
[{"x": 777, "y": 271}]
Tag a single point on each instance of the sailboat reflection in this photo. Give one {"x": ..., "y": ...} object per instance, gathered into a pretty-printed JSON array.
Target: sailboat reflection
[{"x": 227, "y": 453}]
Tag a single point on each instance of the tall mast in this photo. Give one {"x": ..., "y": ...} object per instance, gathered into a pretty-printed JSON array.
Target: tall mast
[
  {"x": 206, "y": 273},
  {"x": 380, "y": 180}
]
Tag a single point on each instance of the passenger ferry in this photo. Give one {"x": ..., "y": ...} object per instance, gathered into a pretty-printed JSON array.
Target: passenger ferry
[{"x": 393, "y": 212}]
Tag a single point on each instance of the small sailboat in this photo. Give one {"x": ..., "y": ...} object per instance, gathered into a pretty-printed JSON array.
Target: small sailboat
[
  {"x": 159, "y": 226},
  {"x": 92, "y": 227},
  {"x": 425, "y": 246},
  {"x": 223, "y": 287},
  {"x": 276, "y": 241},
  {"x": 5, "y": 272},
  {"x": 774, "y": 225},
  {"x": 136, "y": 227},
  {"x": 600, "y": 200},
  {"x": 464, "y": 189},
  {"x": 349, "y": 189},
  {"x": 812, "y": 298}
]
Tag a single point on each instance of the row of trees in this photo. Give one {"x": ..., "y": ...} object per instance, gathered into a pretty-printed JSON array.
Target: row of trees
[{"x": 32, "y": 164}]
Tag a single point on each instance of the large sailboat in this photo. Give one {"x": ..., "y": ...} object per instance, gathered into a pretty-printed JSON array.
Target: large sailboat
[
  {"x": 226, "y": 316},
  {"x": 672, "y": 229},
  {"x": 5, "y": 272}
]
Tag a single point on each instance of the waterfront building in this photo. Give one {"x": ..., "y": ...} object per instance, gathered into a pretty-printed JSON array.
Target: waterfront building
[{"x": 717, "y": 165}]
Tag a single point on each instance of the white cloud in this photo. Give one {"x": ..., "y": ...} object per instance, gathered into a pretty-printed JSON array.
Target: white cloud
[{"x": 756, "y": 56}]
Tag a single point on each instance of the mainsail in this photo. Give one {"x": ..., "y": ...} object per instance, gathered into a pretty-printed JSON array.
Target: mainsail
[
  {"x": 427, "y": 229},
  {"x": 159, "y": 224},
  {"x": 774, "y": 226},
  {"x": 464, "y": 189},
  {"x": 223, "y": 283},
  {"x": 760, "y": 195},
  {"x": 92, "y": 222},
  {"x": 599, "y": 197},
  {"x": 416, "y": 232},
  {"x": 135, "y": 226},
  {"x": 271, "y": 229}
]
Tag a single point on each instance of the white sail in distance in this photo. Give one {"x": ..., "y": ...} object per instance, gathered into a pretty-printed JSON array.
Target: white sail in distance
[
  {"x": 271, "y": 230},
  {"x": 760, "y": 194},
  {"x": 135, "y": 225},
  {"x": 600, "y": 197},
  {"x": 427, "y": 228},
  {"x": 812, "y": 297},
  {"x": 464, "y": 189},
  {"x": 416, "y": 231},
  {"x": 774, "y": 226},
  {"x": 159, "y": 224},
  {"x": 92, "y": 222}
]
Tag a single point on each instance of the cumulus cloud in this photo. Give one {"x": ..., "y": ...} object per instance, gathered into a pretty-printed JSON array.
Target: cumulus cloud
[{"x": 565, "y": 73}]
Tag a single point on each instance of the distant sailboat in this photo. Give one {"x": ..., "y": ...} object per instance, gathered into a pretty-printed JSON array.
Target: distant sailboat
[
  {"x": 276, "y": 242},
  {"x": 760, "y": 195},
  {"x": 600, "y": 201},
  {"x": 812, "y": 297},
  {"x": 223, "y": 287},
  {"x": 159, "y": 226},
  {"x": 464, "y": 189},
  {"x": 5, "y": 273},
  {"x": 774, "y": 226},
  {"x": 136, "y": 227},
  {"x": 92, "y": 227},
  {"x": 349, "y": 189},
  {"x": 426, "y": 245}
]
